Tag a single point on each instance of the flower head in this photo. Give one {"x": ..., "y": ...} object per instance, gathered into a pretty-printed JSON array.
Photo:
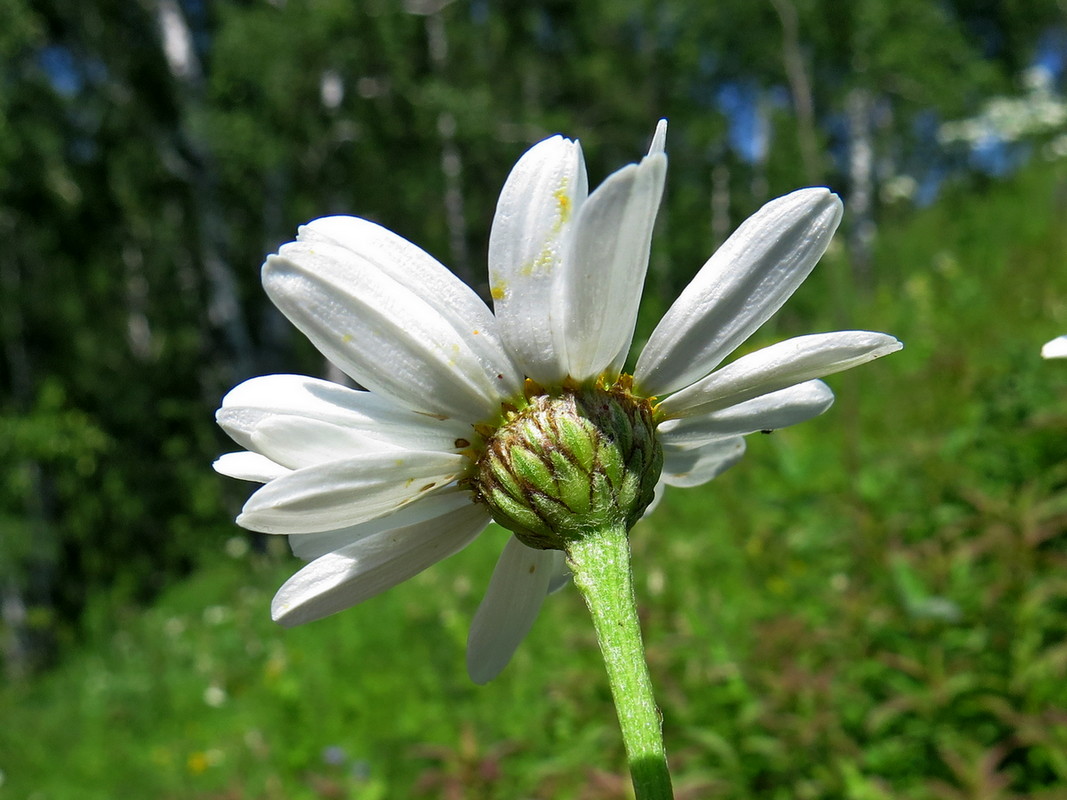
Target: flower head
[{"x": 523, "y": 413}]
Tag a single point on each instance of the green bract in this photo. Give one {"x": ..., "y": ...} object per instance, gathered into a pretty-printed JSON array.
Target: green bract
[{"x": 569, "y": 463}]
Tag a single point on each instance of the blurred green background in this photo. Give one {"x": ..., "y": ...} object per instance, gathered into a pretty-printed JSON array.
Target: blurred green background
[{"x": 871, "y": 605}]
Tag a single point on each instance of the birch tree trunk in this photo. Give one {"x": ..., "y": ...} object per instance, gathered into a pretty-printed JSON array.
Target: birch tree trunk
[
  {"x": 859, "y": 204},
  {"x": 451, "y": 158},
  {"x": 800, "y": 89},
  {"x": 22, "y": 546},
  {"x": 224, "y": 308}
]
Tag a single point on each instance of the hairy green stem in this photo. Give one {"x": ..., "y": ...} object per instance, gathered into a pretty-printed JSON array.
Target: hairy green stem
[{"x": 600, "y": 563}]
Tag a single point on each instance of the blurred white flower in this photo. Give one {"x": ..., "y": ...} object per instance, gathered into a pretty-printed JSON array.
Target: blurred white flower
[
  {"x": 215, "y": 696},
  {"x": 237, "y": 546},
  {"x": 174, "y": 627},
  {"x": 899, "y": 187},
  {"x": 331, "y": 89},
  {"x": 1057, "y": 348},
  {"x": 1010, "y": 118},
  {"x": 374, "y": 486},
  {"x": 216, "y": 615}
]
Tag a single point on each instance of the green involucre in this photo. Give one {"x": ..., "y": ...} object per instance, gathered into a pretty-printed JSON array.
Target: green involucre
[{"x": 568, "y": 463}]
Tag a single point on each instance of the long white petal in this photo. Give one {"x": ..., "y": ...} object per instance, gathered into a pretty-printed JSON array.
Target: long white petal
[
  {"x": 271, "y": 397},
  {"x": 738, "y": 289},
  {"x": 534, "y": 217},
  {"x": 310, "y": 546},
  {"x": 329, "y": 496},
  {"x": 604, "y": 268},
  {"x": 249, "y": 467},
  {"x": 417, "y": 270},
  {"x": 1057, "y": 348},
  {"x": 766, "y": 413},
  {"x": 778, "y": 366},
  {"x": 696, "y": 465},
  {"x": 341, "y": 579},
  {"x": 410, "y": 266},
  {"x": 388, "y": 336},
  {"x": 509, "y": 608},
  {"x": 298, "y": 443}
]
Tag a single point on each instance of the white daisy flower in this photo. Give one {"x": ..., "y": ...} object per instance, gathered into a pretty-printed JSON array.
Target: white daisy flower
[
  {"x": 1057, "y": 348},
  {"x": 374, "y": 486}
]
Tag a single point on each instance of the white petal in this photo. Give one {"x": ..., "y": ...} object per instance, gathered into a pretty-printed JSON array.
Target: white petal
[
  {"x": 1057, "y": 348},
  {"x": 408, "y": 265},
  {"x": 657, "y": 498},
  {"x": 250, "y": 403},
  {"x": 341, "y": 579},
  {"x": 738, "y": 289},
  {"x": 326, "y": 497},
  {"x": 778, "y": 366},
  {"x": 388, "y": 336},
  {"x": 249, "y": 467},
  {"x": 512, "y": 601},
  {"x": 297, "y": 443},
  {"x": 604, "y": 268},
  {"x": 659, "y": 138},
  {"x": 310, "y": 546},
  {"x": 766, "y": 413},
  {"x": 533, "y": 220},
  {"x": 697, "y": 465},
  {"x": 415, "y": 269},
  {"x": 560, "y": 573}
]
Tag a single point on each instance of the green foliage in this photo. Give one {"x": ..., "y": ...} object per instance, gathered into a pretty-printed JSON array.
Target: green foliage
[{"x": 50, "y": 436}]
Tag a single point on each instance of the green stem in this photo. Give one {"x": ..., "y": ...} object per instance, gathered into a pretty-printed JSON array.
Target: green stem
[{"x": 600, "y": 563}]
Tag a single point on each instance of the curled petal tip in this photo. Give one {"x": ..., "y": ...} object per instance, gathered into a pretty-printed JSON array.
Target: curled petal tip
[
  {"x": 659, "y": 138},
  {"x": 891, "y": 345},
  {"x": 278, "y": 612},
  {"x": 821, "y": 198}
]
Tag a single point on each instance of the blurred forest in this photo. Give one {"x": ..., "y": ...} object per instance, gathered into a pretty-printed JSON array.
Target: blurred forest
[{"x": 153, "y": 152}]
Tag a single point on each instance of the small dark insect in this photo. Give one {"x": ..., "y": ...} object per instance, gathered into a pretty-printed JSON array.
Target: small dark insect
[{"x": 766, "y": 431}]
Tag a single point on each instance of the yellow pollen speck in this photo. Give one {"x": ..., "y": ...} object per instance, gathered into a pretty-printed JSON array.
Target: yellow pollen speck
[
  {"x": 346, "y": 338},
  {"x": 475, "y": 332},
  {"x": 497, "y": 292},
  {"x": 563, "y": 201}
]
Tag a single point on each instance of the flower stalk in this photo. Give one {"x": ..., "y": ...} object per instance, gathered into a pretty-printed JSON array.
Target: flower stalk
[{"x": 600, "y": 565}]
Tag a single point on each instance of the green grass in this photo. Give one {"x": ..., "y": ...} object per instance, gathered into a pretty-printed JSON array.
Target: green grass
[{"x": 872, "y": 605}]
